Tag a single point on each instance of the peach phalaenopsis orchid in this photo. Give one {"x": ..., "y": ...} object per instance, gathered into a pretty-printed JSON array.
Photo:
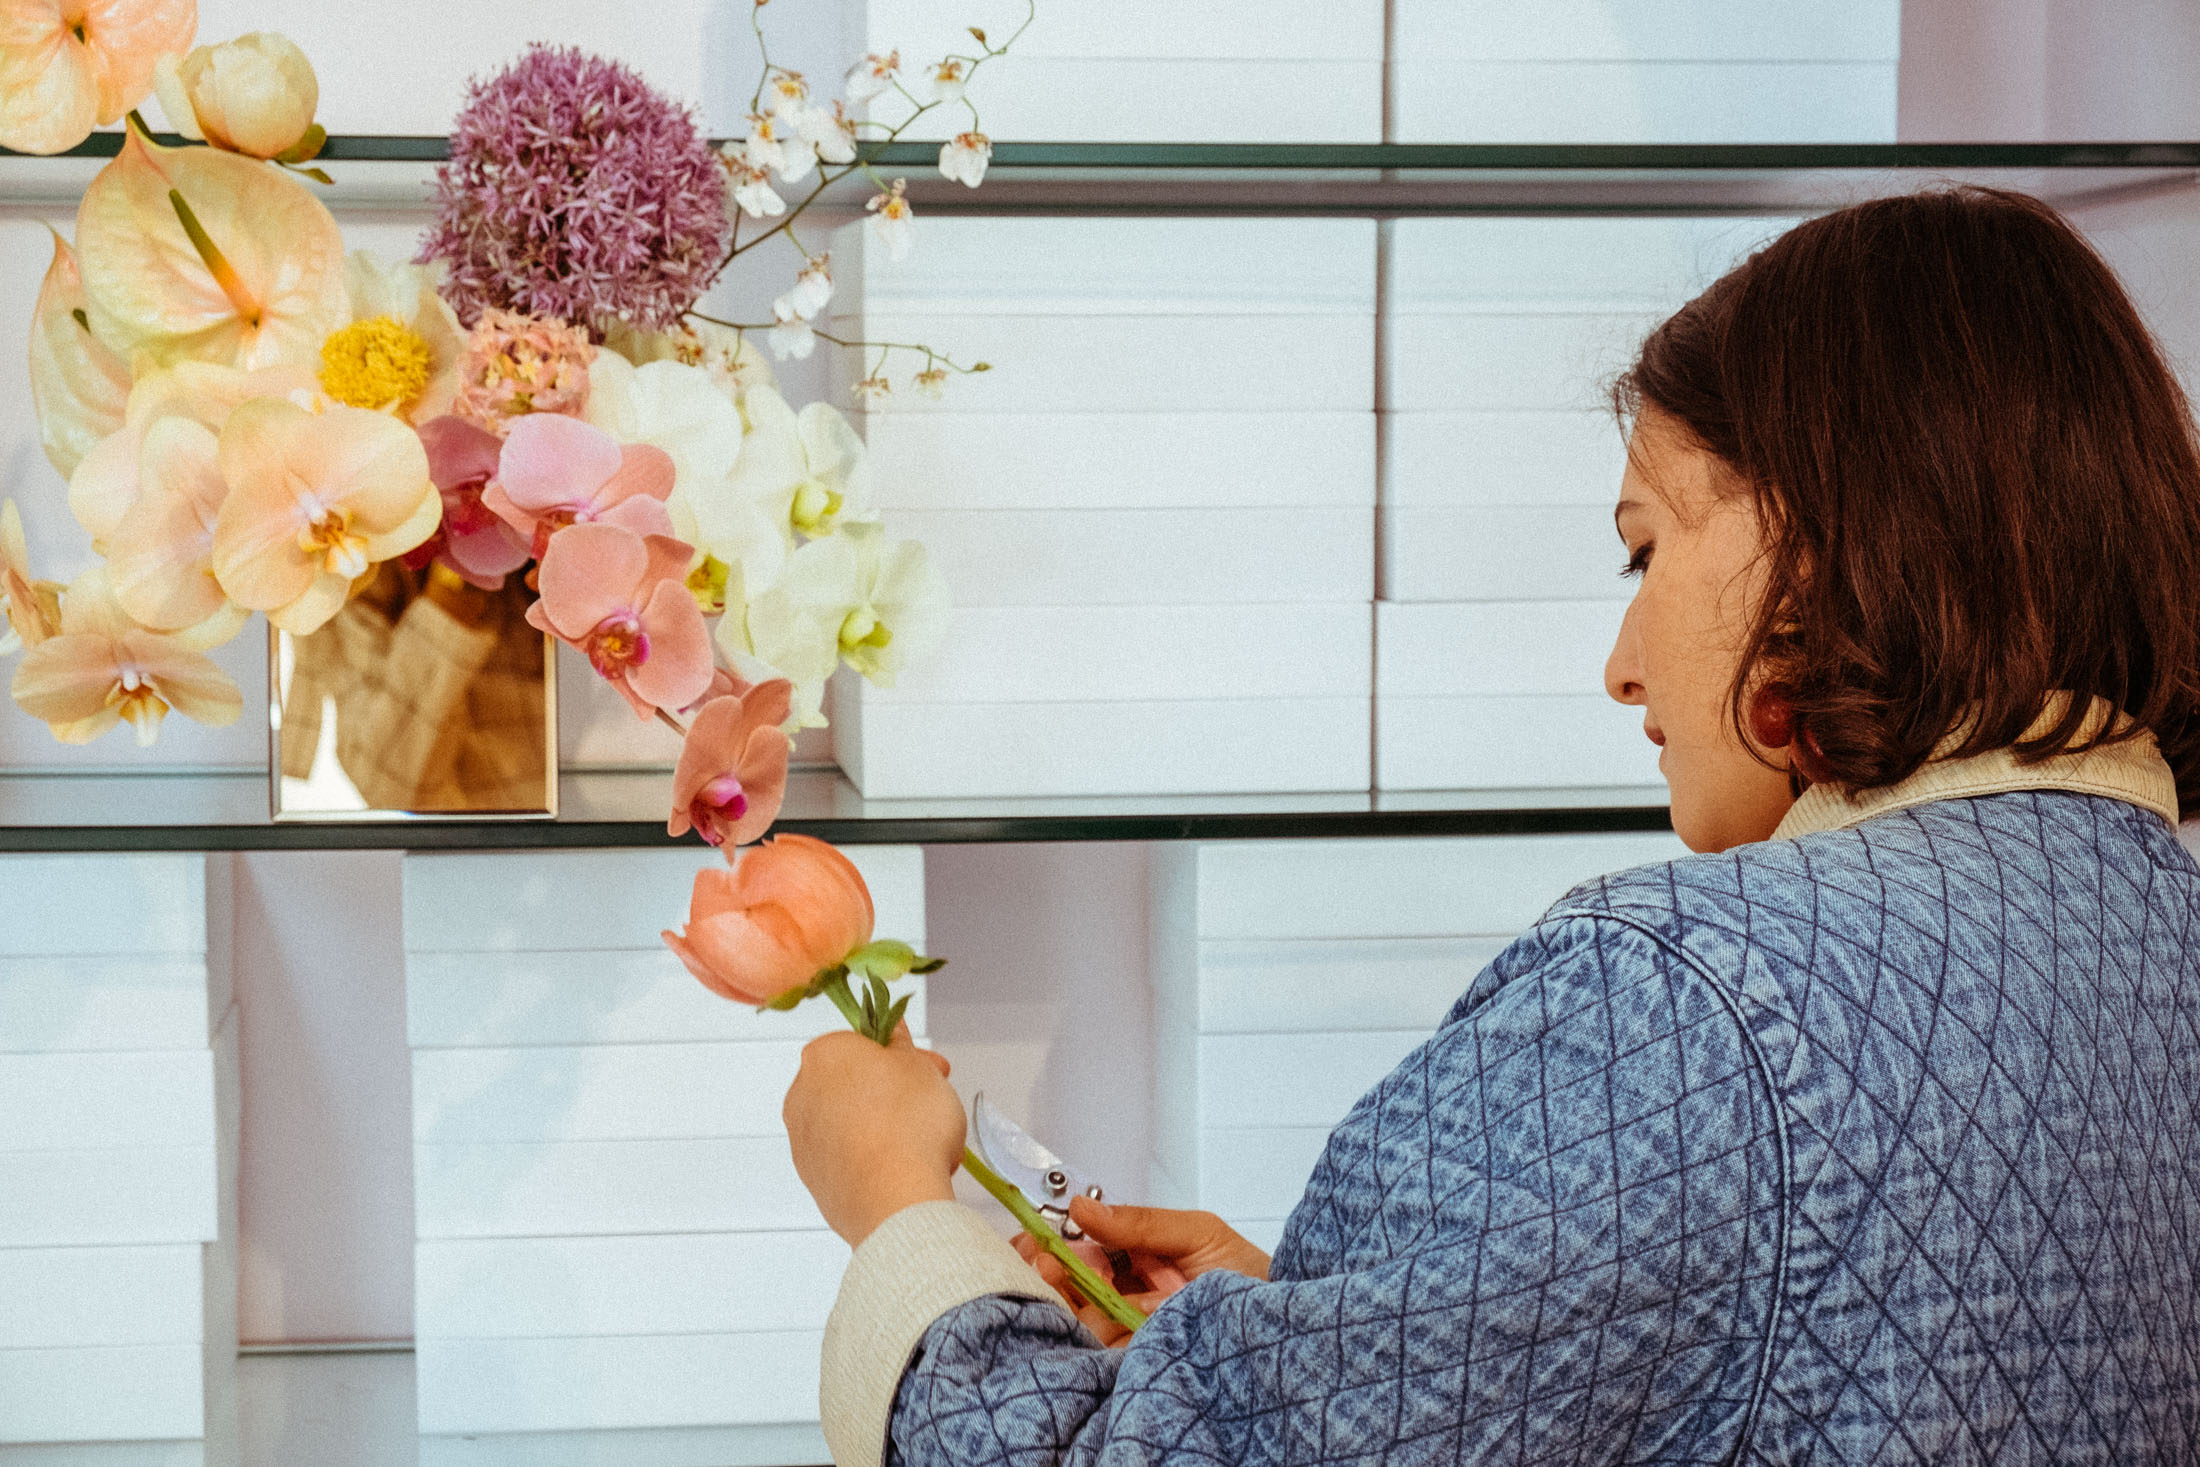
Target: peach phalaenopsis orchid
[
  {"x": 102, "y": 668},
  {"x": 787, "y": 911},
  {"x": 197, "y": 253},
  {"x": 557, "y": 471},
  {"x": 160, "y": 558},
  {"x": 68, "y": 66},
  {"x": 622, "y": 599},
  {"x": 733, "y": 768},
  {"x": 34, "y": 607},
  {"x": 315, "y": 498}
]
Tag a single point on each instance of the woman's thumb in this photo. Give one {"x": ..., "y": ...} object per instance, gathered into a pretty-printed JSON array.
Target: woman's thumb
[{"x": 1162, "y": 1230}]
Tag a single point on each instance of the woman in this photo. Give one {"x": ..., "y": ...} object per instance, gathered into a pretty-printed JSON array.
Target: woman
[{"x": 1871, "y": 1133}]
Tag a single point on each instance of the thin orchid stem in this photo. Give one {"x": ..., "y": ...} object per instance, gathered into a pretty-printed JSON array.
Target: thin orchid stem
[{"x": 672, "y": 723}]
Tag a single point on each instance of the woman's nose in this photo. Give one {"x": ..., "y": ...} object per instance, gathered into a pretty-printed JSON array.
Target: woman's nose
[{"x": 1623, "y": 669}]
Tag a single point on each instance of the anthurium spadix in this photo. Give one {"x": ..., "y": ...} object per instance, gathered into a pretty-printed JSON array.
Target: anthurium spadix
[
  {"x": 201, "y": 254},
  {"x": 78, "y": 386}
]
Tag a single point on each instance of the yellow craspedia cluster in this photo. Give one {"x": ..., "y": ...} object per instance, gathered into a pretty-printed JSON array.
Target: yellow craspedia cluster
[{"x": 376, "y": 363}]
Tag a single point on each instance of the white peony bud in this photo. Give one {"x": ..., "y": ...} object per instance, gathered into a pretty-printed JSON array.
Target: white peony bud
[{"x": 254, "y": 95}]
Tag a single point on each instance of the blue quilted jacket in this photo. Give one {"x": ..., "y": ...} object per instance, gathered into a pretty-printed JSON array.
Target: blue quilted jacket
[{"x": 1876, "y": 1146}]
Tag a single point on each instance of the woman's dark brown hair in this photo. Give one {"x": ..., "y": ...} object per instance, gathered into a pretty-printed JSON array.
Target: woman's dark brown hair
[{"x": 1978, "y": 477}]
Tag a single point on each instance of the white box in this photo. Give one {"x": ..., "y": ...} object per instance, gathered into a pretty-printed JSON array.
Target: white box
[
  {"x": 1131, "y": 654},
  {"x": 1507, "y": 648},
  {"x": 577, "y": 901},
  {"x": 518, "y": 1189},
  {"x": 470, "y": 1385},
  {"x": 1268, "y": 986},
  {"x": 1445, "y": 886},
  {"x": 1168, "y": 557},
  {"x": 603, "y": 1092},
  {"x": 1641, "y": 30},
  {"x": 110, "y": 1393},
  {"x": 1437, "y": 460},
  {"x": 105, "y": 1098},
  {"x": 1152, "y": 460},
  {"x": 1293, "y": 1080},
  {"x": 669, "y": 1284},
  {"x": 154, "y": 1194},
  {"x": 771, "y": 1444},
  {"x": 1564, "y": 262},
  {"x": 1643, "y": 101},
  {"x": 1512, "y": 743},
  {"x": 977, "y": 750},
  {"x": 1533, "y": 552},
  {"x": 135, "y": 905},
  {"x": 1246, "y": 362},
  {"x": 1158, "y": 269},
  {"x": 63, "y": 1298},
  {"x": 1522, "y": 361},
  {"x": 1127, "y": 29},
  {"x": 104, "y": 1002},
  {"x": 476, "y": 1000},
  {"x": 1259, "y": 1172}
]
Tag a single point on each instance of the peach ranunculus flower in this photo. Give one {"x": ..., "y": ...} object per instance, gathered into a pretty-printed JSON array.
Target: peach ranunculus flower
[
  {"x": 248, "y": 271},
  {"x": 788, "y": 911},
  {"x": 78, "y": 387},
  {"x": 108, "y": 480},
  {"x": 623, "y": 600},
  {"x": 102, "y": 668},
  {"x": 68, "y": 66},
  {"x": 557, "y": 471},
  {"x": 254, "y": 95},
  {"x": 733, "y": 767},
  {"x": 315, "y": 499}
]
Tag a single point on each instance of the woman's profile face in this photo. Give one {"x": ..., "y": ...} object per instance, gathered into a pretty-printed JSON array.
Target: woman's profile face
[{"x": 1694, "y": 546}]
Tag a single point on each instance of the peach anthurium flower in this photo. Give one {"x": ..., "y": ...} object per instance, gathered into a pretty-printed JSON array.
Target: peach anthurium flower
[
  {"x": 68, "y": 66},
  {"x": 558, "y": 471},
  {"x": 788, "y": 910},
  {"x": 733, "y": 767},
  {"x": 315, "y": 498},
  {"x": 103, "y": 668},
  {"x": 78, "y": 386},
  {"x": 194, "y": 252},
  {"x": 109, "y": 478},
  {"x": 623, "y": 600},
  {"x": 34, "y": 607}
]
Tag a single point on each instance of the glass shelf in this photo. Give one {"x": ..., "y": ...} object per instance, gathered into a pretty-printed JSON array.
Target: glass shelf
[
  {"x": 1345, "y": 178},
  {"x": 227, "y": 810}
]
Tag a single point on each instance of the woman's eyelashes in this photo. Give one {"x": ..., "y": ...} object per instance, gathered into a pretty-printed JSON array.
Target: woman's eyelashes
[{"x": 1637, "y": 562}]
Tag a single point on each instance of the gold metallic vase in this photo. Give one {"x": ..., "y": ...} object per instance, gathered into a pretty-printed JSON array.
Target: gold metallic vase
[{"x": 425, "y": 696}]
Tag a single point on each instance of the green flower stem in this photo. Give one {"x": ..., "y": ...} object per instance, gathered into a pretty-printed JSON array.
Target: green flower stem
[{"x": 1090, "y": 1284}]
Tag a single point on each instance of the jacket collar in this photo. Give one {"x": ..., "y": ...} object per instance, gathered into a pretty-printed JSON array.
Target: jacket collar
[{"x": 2132, "y": 770}]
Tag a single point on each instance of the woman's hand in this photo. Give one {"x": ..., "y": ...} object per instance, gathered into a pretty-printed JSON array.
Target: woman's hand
[
  {"x": 874, "y": 1129},
  {"x": 1161, "y": 1250}
]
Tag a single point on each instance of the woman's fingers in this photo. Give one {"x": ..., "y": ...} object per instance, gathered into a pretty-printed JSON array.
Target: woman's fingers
[{"x": 904, "y": 1040}]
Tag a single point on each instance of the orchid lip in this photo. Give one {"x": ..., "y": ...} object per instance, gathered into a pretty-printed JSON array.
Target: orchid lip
[{"x": 617, "y": 644}]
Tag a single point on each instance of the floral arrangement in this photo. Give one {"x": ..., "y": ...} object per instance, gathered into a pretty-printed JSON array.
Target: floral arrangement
[{"x": 252, "y": 420}]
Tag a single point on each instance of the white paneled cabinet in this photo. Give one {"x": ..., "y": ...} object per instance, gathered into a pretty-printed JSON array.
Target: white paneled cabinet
[
  {"x": 1291, "y": 976},
  {"x": 118, "y": 1150},
  {"x": 1156, "y": 510},
  {"x": 613, "y": 1253}
]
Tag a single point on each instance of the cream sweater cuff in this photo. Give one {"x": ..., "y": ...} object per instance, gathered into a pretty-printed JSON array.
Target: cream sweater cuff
[{"x": 915, "y": 1266}]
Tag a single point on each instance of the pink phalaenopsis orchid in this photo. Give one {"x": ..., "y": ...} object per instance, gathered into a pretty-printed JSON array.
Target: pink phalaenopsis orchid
[
  {"x": 733, "y": 768},
  {"x": 473, "y": 540},
  {"x": 623, "y": 600},
  {"x": 557, "y": 471}
]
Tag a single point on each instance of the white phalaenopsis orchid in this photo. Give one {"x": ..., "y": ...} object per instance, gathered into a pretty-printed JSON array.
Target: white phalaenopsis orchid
[
  {"x": 950, "y": 79},
  {"x": 678, "y": 408},
  {"x": 786, "y": 93},
  {"x": 872, "y": 75},
  {"x": 752, "y": 188},
  {"x": 881, "y": 602},
  {"x": 812, "y": 289},
  {"x": 808, "y": 469},
  {"x": 792, "y": 338},
  {"x": 892, "y": 219},
  {"x": 832, "y": 133},
  {"x": 775, "y": 144},
  {"x": 964, "y": 156}
]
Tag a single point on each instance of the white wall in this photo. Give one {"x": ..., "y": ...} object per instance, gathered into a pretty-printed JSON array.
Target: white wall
[{"x": 2049, "y": 70}]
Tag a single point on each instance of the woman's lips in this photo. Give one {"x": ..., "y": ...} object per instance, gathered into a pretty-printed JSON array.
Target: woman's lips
[{"x": 1654, "y": 734}]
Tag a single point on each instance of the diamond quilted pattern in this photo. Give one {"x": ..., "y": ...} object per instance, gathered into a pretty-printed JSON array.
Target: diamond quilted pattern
[{"x": 1881, "y": 1146}]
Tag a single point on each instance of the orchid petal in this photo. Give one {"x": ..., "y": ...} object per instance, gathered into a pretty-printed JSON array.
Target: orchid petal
[
  {"x": 160, "y": 558},
  {"x": 551, "y": 461},
  {"x": 678, "y": 669},
  {"x": 590, "y": 572},
  {"x": 78, "y": 386}
]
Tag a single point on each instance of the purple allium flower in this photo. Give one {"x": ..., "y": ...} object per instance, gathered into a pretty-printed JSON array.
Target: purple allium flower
[{"x": 575, "y": 191}]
